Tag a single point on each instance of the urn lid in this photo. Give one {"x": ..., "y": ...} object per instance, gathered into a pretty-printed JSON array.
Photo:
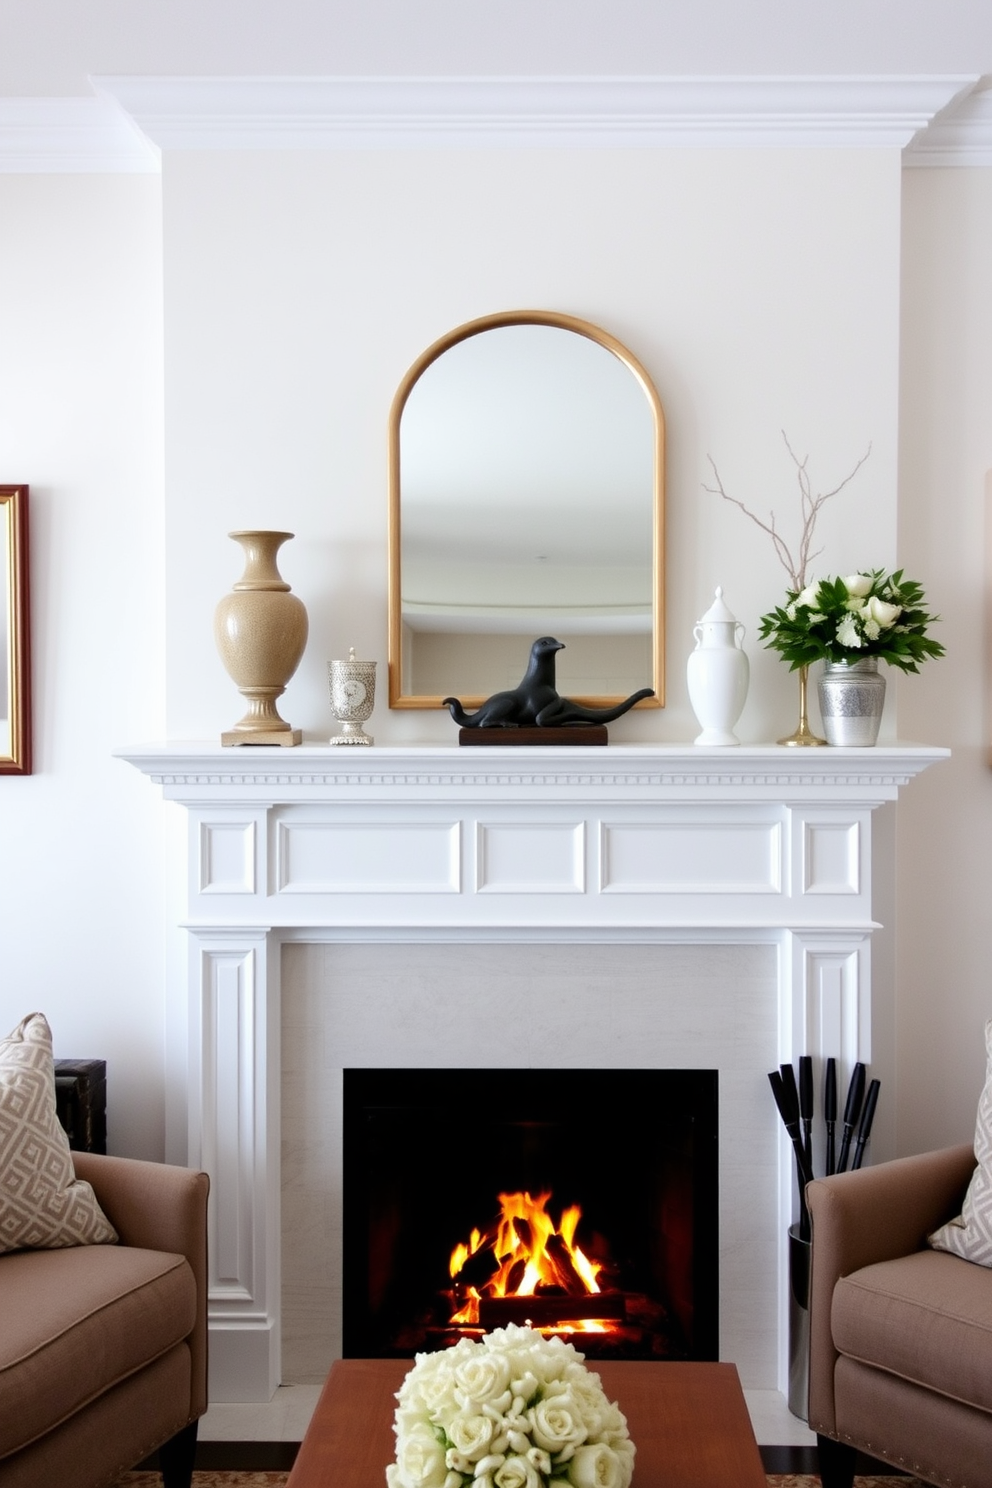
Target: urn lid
[{"x": 718, "y": 612}]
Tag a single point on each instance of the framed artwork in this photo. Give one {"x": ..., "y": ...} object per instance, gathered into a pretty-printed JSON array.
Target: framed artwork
[{"x": 15, "y": 639}]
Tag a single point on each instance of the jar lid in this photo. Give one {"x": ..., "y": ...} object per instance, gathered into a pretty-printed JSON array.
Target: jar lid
[{"x": 718, "y": 611}]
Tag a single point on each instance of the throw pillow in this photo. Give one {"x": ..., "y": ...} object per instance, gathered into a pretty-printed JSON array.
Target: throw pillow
[
  {"x": 970, "y": 1235},
  {"x": 43, "y": 1205}
]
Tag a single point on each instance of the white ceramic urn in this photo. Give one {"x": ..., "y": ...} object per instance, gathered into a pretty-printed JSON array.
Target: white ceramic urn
[{"x": 718, "y": 674}]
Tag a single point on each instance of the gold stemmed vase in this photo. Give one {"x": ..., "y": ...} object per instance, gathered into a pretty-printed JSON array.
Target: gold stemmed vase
[{"x": 803, "y": 736}]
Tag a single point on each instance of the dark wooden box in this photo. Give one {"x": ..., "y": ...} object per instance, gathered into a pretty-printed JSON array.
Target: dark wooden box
[
  {"x": 81, "y": 1102},
  {"x": 530, "y": 734}
]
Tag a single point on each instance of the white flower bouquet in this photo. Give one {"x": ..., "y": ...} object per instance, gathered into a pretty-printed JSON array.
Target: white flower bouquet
[
  {"x": 845, "y": 619},
  {"x": 516, "y": 1410}
]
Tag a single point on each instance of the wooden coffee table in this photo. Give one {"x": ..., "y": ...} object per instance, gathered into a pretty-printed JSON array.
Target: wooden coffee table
[{"x": 688, "y": 1421}]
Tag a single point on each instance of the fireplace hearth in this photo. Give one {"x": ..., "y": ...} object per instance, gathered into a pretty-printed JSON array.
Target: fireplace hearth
[{"x": 499, "y": 1176}]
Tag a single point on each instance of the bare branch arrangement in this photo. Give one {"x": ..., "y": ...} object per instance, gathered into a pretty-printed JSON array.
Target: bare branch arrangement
[{"x": 796, "y": 565}]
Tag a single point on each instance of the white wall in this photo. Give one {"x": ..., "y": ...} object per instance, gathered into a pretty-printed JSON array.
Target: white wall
[
  {"x": 944, "y": 978},
  {"x": 81, "y": 915},
  {"x": 759, "y": 288},
  {"x": 762, "y": 291}
]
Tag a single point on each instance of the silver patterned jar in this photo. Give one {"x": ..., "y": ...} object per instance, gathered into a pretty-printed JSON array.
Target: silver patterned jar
[
  {"x": 352, "y": 685},
  {"x": 852, "y": 696}
]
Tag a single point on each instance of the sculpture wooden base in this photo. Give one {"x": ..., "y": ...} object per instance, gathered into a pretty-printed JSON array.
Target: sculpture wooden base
[
  {"x": 572, "y": 733},
  {"x": 285, "y": 737}
]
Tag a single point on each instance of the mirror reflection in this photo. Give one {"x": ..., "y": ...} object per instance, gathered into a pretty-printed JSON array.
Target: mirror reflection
[{"x": 526, "y": 469}]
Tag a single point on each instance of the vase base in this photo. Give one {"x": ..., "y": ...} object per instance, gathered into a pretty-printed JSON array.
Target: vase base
[
  {"x": 716, "y": 739},
  {"x": 286, "y": 737},
  {"x": 352, "y": 739},
  {"x": 803, "y": 738}
]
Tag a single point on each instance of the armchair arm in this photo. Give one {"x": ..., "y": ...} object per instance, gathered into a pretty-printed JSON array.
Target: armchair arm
[
  {"x": 155, "y": 1206},
  {"x": 874, "y": 1214}
]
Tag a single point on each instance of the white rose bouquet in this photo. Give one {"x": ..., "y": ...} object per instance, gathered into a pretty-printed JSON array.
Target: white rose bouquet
[
  {"x": 516, "y": 1410},
  {"x": 865, "y": 614}
]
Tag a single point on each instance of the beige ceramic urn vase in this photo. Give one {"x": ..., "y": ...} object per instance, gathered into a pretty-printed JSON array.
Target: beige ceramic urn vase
[{"x": 261, "y": 631}]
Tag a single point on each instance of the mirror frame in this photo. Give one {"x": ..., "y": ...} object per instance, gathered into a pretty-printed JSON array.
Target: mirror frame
[
  {"x": 397, "y": 697},
  {"x": 14, "y": 515}
]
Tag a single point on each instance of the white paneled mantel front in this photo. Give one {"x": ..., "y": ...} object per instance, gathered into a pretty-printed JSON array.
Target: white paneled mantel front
[{"x": 639, "y": 844}]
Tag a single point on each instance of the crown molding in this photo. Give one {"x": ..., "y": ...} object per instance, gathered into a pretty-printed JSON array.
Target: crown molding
[
  {"x": 961, "y": 136},
  {"x": 133, "y": 119},
  {"x": 377, "y": 112},
  {"x": 69, "y": 136}
]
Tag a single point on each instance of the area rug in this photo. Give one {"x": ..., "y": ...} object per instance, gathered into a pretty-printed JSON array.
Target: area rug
[
  {"x": 810, "y": 1480},
  {"x": 277, "y": 1480}
]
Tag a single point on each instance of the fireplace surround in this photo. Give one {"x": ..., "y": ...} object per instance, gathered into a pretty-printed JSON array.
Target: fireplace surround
[{"x": 631, "y": 847}]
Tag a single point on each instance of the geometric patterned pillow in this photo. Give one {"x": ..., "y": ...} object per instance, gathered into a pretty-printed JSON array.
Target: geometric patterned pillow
[
  {"x": 970, "y": 1235},
  {"x": 43, "y": 1205}
]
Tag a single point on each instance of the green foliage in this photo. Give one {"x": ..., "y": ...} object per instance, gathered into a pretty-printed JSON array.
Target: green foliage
[{"x": 866, "y": 614}]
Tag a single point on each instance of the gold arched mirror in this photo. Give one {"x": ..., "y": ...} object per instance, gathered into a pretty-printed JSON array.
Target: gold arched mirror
[{"x": 526, "y": 498}]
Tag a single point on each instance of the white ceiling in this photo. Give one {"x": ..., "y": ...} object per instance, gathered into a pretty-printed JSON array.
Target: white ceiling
[{"x": 49, "y": 48}]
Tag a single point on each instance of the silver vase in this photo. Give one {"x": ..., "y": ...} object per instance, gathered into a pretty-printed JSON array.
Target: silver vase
[{"x": 852, "y": 696}]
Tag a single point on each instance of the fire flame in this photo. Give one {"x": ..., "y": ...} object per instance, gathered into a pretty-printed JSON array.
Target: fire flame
[{"x": 529, "y": 1252}]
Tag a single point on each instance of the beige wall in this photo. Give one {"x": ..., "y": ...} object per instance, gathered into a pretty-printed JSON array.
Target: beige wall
[{"x": 944, "y": 971}]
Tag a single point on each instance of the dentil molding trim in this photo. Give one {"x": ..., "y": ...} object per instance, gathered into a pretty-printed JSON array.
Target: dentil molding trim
[
  {"x": 192, "y": 773},
  {"x": 134, "y": 118}
]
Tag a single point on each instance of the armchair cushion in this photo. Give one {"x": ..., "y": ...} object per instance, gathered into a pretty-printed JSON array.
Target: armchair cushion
[
  {"x": 42, "y": 1203},
  {"x": 924, "y": 1318},
  {"x": 866, "y": 1218},
  {"x": 970, "y": 1234},
  {"x": 78, "y": 1322}
]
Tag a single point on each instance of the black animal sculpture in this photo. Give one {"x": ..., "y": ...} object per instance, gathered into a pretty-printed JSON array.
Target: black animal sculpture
[{"x": 535, "y": 702}]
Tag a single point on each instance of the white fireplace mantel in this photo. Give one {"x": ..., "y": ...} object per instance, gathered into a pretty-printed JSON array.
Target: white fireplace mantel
[{"x": 631, "y": 843}]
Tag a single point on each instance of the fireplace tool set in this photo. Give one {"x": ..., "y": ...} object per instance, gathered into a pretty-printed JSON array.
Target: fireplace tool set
[{"x": 795, "y": 1103}]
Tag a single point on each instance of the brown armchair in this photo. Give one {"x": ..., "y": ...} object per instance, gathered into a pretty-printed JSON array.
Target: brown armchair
[
  {"x": 103, "y": 1348},
  {"x": 900, "y": 1335}
]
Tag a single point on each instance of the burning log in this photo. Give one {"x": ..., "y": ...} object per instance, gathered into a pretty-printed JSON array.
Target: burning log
[
  {"x": 496, "y": 1312},
  {"x": 527, "y": 1267},
  {"x": 479, "y": 1268},
  {"x": 515, "y": 1275},
  {"x": 524, "y": 1233},
  {"x": 565, "y": 1274}
]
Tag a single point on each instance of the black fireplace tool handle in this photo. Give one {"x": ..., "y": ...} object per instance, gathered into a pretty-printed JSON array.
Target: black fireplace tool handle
[
  {"x": 806, "y": 1105},
  {"x": 855, "y": 1095},
  {"x": 830, "y": 1114},
  {"x": 788, "y": 1076},
  {"x": 788, "y": 1106},
  {"x": 867, "y": 1117}
]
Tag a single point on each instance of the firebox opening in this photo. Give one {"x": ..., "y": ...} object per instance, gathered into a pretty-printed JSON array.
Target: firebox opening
[{"x": 604, "y": 1173}]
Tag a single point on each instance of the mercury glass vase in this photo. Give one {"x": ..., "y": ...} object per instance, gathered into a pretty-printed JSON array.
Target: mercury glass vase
[{"x": 852, "y": 696}]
